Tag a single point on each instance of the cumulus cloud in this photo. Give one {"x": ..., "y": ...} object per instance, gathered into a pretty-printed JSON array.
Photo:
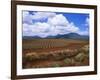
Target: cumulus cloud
[
  {"x": 54, "y": 25},
  {"x": 58, "y": 20},
  {"x": 42, "y": 15},
  {"x": 27, "y": 17}
]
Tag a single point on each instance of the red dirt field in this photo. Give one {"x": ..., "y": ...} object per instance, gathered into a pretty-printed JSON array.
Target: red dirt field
[{"x": 73, "y": 53}]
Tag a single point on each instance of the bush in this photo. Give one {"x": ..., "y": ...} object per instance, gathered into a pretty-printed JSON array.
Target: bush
[
  {"x": 55, "y": 65},
  {"x": 80, "y": 57},
  {"x": 85, "y": 49},
  {"x": 67, "y": 61},
  {"x": 31, "y": 56}
]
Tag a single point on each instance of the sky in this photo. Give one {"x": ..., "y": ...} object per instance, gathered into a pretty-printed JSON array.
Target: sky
[{"x": 44, "y": 24}]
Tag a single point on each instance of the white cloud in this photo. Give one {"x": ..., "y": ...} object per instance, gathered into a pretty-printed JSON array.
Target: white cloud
[
  {"x": 56, "y": 24},
  {"x": 27, "y": 17},
  {"x": 72, "y": 28},
  {"x": 83, "y": 32},
  {"x": 87, "y": 21},
  {"x": 42, "y": 15},
  {"x": 58, "y": 20}
]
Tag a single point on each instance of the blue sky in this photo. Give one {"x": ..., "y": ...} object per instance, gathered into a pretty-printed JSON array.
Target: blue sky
[{"x": 45, "y": 24}]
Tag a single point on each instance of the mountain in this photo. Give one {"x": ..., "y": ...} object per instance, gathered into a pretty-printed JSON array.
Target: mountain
[
  {"x": 73, "y": 36},
  {"x": 65, "y": 36},
  {"x": 70, "y": 36},
  {"x": 31, "y": 37}
]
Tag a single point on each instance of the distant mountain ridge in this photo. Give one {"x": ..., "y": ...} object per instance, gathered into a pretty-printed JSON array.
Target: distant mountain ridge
[{"x": 65, "y": 36}]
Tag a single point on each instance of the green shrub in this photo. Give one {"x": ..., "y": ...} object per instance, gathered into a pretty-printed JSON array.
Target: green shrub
[
  {"x": 80, "y": 57},
  {"x": 55, "y": 65},
  {"x": 67, "y": 61}
]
